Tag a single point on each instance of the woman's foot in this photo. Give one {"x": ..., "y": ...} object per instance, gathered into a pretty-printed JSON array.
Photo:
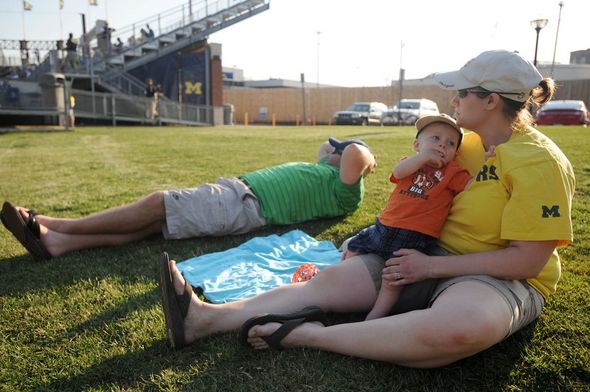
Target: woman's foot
[
  {"x": 302, "y": 336},
  {"x": 196, "y": 324}
]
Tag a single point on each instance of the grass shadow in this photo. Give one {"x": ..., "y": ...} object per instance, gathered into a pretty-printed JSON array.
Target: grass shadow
[
  {"x": 124, "y": 371},
  {"x": 218, "y": 363},
  {"x": 133, "y": 303},
  {"x": 130, "y": 262}
]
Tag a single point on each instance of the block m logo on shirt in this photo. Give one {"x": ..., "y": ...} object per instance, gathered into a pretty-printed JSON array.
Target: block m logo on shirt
[{"x": 551, "y": 212}]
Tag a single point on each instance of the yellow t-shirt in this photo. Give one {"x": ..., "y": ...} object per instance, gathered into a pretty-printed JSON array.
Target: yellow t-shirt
[{"x": 524, "y": 193}]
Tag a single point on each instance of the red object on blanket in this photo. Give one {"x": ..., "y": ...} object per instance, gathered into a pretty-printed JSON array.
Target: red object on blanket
[{"x": 305, "y": 272}]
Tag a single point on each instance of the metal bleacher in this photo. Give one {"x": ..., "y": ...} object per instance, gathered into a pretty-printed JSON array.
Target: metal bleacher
[
  {"x": 193, "y": 23},
  {"x": 111, "y": 91},
  {"x": 174, "y": 29}
]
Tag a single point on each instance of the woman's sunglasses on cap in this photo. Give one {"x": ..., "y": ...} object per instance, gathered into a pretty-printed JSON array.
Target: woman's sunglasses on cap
[{"x": 481, "y": 92}]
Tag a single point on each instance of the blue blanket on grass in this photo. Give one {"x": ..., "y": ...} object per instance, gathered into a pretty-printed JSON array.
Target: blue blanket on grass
[{"x": 256, "y": 266}]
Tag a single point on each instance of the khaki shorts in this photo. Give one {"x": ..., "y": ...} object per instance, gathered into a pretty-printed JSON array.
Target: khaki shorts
[
  {"x": 226, "y": 207},
  {"x": 523, "y": 301}
]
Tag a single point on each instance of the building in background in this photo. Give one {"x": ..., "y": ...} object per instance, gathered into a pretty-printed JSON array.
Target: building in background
[{"x": 580, "y": 57}]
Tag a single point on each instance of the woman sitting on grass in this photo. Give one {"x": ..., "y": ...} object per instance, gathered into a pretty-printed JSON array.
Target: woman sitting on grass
[{"x": 497, "y": 265}]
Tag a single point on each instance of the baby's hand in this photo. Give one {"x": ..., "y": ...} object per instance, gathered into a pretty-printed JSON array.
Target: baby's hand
[
  {"x": 432, "y": 158},
  {"x": 490, "y": 152}
]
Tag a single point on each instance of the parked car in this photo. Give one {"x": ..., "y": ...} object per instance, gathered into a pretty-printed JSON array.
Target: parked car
[
  {"x": 408, "y": 111},
  {"x": 361, "y": 113},
  {"x": 566, "y": 112}
]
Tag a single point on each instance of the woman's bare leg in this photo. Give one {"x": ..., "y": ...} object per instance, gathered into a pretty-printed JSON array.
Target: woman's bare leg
[
  {"x": 465, "y": 319},
  {"x": 345, "y": 287},
  {"x": 131, "y": 218}
]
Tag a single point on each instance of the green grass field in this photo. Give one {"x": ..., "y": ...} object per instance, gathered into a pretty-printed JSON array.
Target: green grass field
[{"x": 91, "y": 320}]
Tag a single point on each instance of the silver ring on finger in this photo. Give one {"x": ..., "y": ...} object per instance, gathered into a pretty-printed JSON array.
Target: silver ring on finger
[{"x": 398, "y": 276}]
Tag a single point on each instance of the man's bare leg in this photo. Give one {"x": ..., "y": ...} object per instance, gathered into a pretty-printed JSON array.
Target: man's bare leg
[
  {"x": 130, "y": 219},
  {"x": 59, "y": 243}
]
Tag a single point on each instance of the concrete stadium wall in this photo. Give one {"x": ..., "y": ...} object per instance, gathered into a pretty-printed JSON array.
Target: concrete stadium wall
[{"x": 286, "y": 104}]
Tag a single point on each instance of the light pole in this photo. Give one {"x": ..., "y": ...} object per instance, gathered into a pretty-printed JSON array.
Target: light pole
[
  {"x": 318, "y": 59},
  {"x": 402, "y": 73},
  {"x": 87, "y": 54},
  {"x": 538, "y": 24},
  {"x": 556, "y": 35}
]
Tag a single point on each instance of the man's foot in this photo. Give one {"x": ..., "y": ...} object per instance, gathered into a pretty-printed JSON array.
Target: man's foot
[
  {"x": 48, "y": 222},
  {"x": 52, "y": 240},
  {"x": 26, "y": 231}
]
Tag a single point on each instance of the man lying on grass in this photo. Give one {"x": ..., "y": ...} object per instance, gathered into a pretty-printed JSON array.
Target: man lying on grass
[{"x": 284, "y": 194}]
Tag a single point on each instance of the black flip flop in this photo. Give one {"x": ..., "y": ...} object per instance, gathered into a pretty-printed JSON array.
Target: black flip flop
[
  {"x": 32, "y": 223},
  {"x": 289, "y": 322},
  {"x": 27, "y": 233},
  {"x": 175, "y": 306}
]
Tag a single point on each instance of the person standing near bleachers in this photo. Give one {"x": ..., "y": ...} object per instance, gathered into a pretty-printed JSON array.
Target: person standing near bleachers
[
  {"x": 104, "y": 39},
  {"x": 150, "y": 32},
  {"x": 71, "y": 52},
  {"x": 152, "y": 93},
  {"x": 119, "y": 45},
  {"x": 71, "y": 115},
  {"x": 143, "y": 35}
]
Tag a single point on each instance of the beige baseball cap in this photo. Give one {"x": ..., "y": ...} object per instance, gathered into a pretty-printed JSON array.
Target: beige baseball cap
[
  {"x": 424, "y": 121},
  {"x": 500, "y": 71}
]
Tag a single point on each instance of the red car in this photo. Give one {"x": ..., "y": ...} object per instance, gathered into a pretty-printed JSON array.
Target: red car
[{"x": 566, "y": 112}]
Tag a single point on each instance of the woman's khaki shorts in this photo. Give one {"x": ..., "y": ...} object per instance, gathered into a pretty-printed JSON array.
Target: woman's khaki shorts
[
  {"x": 226, "y": 207},
  {"x": 523, "y": 301}
]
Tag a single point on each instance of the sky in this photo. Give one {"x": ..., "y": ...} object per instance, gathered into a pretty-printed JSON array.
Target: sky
[{"x": 348, "y": 43}]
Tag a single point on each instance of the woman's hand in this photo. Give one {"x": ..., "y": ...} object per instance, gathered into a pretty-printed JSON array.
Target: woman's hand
[{"x": 409, "y": 266}]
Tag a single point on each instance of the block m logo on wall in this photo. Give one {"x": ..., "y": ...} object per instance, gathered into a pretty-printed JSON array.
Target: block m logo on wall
[
  {"x": 165, "y": 71},
  {"x": 191, "y": 88}
]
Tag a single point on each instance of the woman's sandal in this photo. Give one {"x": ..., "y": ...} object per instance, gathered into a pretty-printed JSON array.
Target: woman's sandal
[
  {"x": 175, "y": 306},
  {"x": 289, "y": 323}
]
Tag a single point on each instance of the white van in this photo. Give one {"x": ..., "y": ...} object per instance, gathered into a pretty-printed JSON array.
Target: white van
[{"x": 408, "y": 111}]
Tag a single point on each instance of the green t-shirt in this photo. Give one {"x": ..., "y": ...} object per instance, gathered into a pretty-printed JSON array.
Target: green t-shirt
[{"x": 297, "y": 192}]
